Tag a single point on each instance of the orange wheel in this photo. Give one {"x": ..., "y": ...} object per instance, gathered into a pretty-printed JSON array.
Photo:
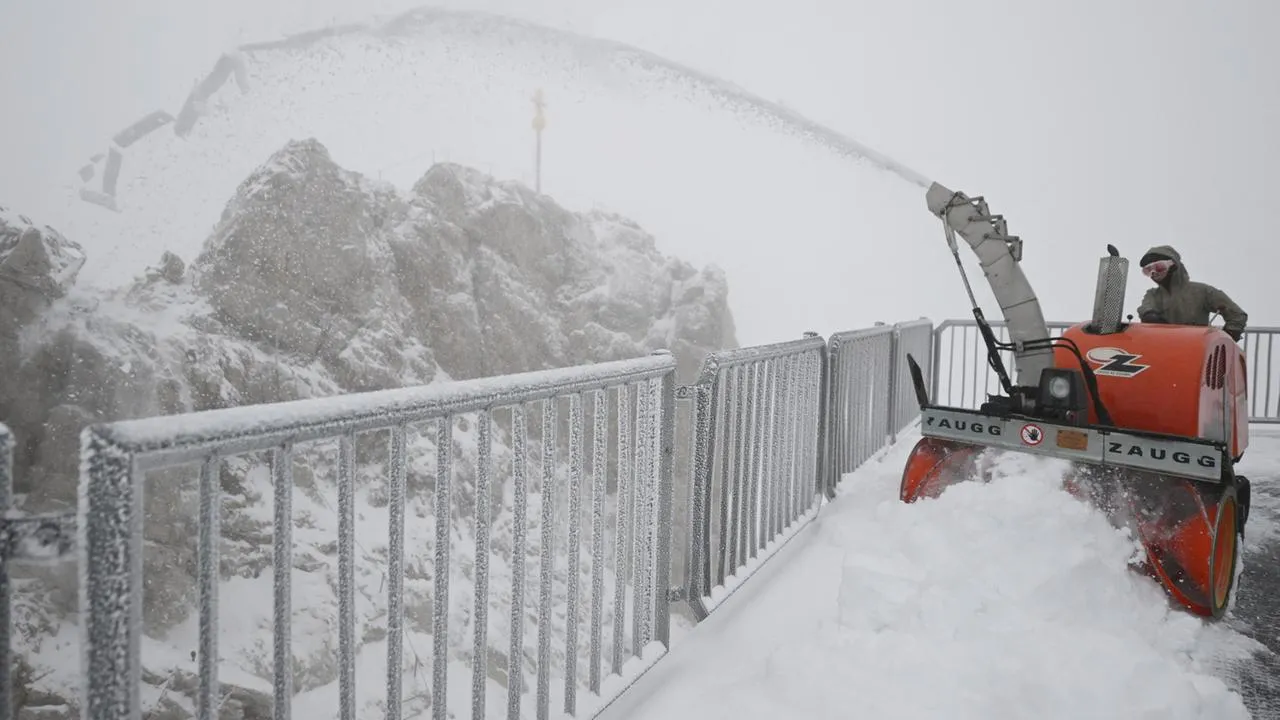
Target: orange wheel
[
  {"x": 1192, "y": 546},
  {"x": 1222, "y": 565}
]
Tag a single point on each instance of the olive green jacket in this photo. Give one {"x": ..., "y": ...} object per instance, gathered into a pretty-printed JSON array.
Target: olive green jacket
[{"x": 1183, "y": 301}]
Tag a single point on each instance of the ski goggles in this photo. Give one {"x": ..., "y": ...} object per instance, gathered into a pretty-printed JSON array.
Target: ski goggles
[{"x": 1157, "y": 270}]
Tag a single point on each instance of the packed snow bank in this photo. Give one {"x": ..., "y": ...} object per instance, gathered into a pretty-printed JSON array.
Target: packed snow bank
[{"x": 1009, "y": 599}]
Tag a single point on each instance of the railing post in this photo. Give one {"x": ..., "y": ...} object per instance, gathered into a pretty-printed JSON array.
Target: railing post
[
  {"x": 895, "y": 346},
  {"x": 937, "y": 360},
  {"x": 666, "y": 465},
  {"x": 826, "y": 481},
  {"x": 110, "y": 550},
  {"x": 7, "y": 710},
  {"x": 704, "y": 447}
]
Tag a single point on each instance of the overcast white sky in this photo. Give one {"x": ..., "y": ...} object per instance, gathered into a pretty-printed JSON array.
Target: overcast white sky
[{"x": 1134, "y": 122}]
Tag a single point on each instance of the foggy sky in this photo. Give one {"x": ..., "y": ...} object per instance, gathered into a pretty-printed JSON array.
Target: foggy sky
[{"x": 1136, "y": 122}]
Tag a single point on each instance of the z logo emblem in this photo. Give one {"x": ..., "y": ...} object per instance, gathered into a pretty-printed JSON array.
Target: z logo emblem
[{"x": 1115, "y": 362}]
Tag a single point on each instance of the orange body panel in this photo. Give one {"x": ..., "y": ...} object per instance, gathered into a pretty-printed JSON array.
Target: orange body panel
[{"x": 1175, "y": 379}]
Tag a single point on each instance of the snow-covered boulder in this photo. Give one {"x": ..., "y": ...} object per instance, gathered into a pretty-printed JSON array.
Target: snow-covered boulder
[{"x": 37, "y": 266}]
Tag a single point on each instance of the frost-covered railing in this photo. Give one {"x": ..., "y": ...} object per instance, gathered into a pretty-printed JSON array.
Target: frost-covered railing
[
  {"x": 1262, "y": 354},
  {"x": 631, "y": 402},
  {"x": 6, "y": 587},
  {"x": 914, "y": 339},
  {"x": 22, "y": 539},
  {"x": 756, "y": 461},
  {"x": 964, "y": 379},
  {"x": 859, "y": 398},
  {"x": 869, "y": 394}
]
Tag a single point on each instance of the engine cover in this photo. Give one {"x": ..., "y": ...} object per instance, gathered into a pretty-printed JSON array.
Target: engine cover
[{"x": 1175, "y": 379}]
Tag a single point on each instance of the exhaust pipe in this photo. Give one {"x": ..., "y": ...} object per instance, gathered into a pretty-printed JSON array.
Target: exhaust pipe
[{"x": 1108, "y": 299}]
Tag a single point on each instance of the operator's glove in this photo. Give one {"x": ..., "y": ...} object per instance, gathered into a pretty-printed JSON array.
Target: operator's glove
[{"x": 1152, "y": 316}]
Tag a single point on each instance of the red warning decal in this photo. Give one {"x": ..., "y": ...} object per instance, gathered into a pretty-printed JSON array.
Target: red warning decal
[{"x": 1031, "y": 434}]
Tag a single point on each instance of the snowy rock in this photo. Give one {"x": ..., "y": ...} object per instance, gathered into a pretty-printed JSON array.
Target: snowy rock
[
  {"x": 37, "y": 266},
  {"x": 317, "y": 281}
]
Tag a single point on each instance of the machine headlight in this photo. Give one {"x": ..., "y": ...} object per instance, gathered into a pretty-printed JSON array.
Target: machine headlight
[{"x": 1062, "y": 394}]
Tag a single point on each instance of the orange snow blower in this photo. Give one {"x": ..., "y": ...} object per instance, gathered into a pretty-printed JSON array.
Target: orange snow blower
[{"x": 1152, "y": 417}]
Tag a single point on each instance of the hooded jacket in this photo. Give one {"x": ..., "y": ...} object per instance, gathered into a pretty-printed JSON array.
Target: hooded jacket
[{"x": 1182, "y": 301}]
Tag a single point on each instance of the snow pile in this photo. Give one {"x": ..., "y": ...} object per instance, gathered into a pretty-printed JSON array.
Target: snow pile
[
  {"x": 317, "y": 281},
  {"x": 999, "y": 600}
]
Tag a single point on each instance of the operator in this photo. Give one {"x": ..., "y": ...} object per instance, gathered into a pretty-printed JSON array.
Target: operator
[{"x": 1178, "y": 300}]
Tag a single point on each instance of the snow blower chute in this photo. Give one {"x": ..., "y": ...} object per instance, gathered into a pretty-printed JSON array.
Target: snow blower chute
[{"x": 1153, "y": 417}]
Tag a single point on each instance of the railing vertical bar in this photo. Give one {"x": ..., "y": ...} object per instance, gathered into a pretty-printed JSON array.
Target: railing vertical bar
[
  {"x": 575, "y": 551},
  {"x": 748, "y": 468},
  {"x": 599, "y": 480},
  {"x": 786, "y": 478},
  {"x": 858, "y": 404},
  {"x": 781, "y": 473},
  {"x": 889, "y": 375},
  {"x": 282, "y": 568},
  {"x": 760, "y": 399},
  {"x": 769, "y": 487},
  {"x": 794, "y": 449},
  {"x": 484, "y": 521},
  {"x": 1271, "y": 358},
  {"x": 7, "y": 709},
  {"x": 729, "y": 469},
  {"x": 812, "y": 470},
  {"x": 209, "y": 538},
  {"x": 665, "y": 461},
  {"x": 346, "y": 578},
  {"x": 755, "y": 507},
  {"x": 395, "y": 572},
  {"x": 846, "y": 434},
  {"x": 1251, "y": 346},
  {"x": 866, "y": 402},
  {"x": 776, "y": 479},
  {"x": 721, "y": 467},
  {"x": 643, "y": 515},
  {"x": 622, "y": 523},
  {"x": 110, "y": 555},
  {"x": 519, "y": 556},
  {"x": 546, "y": 551},
  {"x": 440, "y": 601},
  {"x": 704, "y": 447}
]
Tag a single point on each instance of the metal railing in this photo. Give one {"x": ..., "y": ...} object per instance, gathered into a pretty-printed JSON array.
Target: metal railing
[
  {"x": 963, "y": 378},
  {"x": 642, "y": 404},
  {"x": 6, "y": 583},
  {"x": 756, "y": 461},
  {"x": 1262, "y": 358},
  {"x": 22, "y": 539},
  {"x": 859, "y": 399},
  {"x": 916, "y": 339}
]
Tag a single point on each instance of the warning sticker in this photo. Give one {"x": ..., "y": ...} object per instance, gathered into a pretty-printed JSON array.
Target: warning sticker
[{"x": 1031, "y": 434}]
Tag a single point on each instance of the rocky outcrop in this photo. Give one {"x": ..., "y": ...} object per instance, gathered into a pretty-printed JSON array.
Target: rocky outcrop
[
  {"x": 37, "y": 266},
  {"x": 316, "y": 281}
]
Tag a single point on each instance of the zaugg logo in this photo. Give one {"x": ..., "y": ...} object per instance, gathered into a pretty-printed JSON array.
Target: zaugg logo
[
  {"x": 977, "y": 428},
  {"x": 1162, "y": 454},
  {"x": 1115, "y": 362}
]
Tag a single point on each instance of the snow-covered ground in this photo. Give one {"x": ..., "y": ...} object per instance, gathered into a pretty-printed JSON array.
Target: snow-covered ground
[{"x": 1005, "y": 600}]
